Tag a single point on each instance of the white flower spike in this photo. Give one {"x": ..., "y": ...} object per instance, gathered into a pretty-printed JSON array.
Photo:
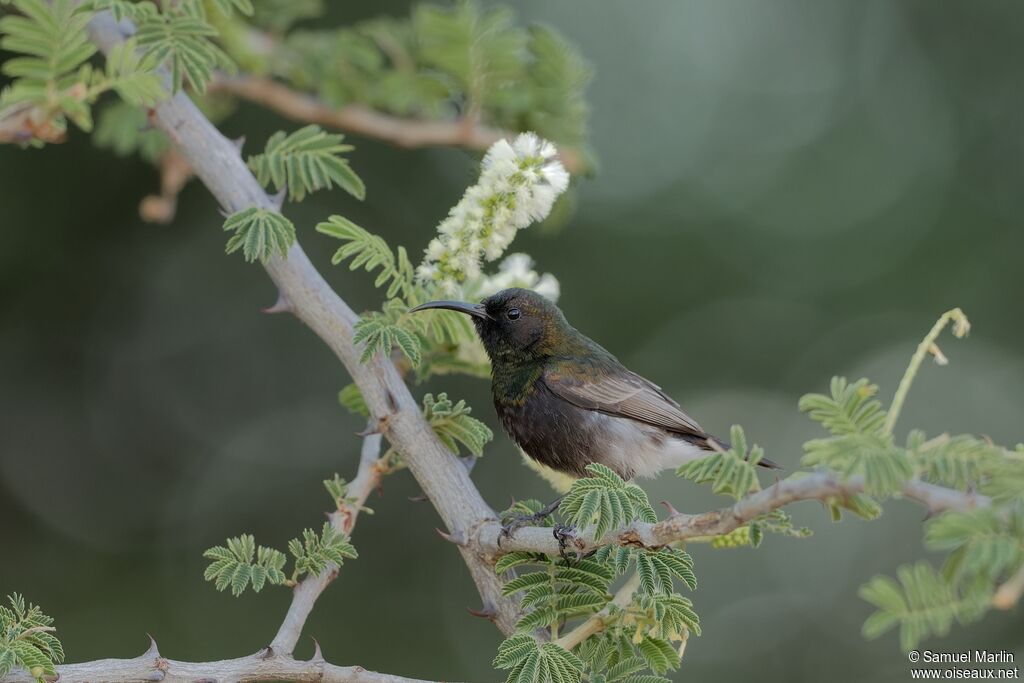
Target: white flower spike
[{"x": 519, "y": 183}]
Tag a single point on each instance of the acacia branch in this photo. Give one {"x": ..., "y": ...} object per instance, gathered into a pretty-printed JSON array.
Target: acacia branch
[
  {"x": 357, "y": 118},
  {"x": 217, "y": 162},
  {"x": 265, "y": 665},
  {"x": 343, "y": 519},
  {"x": 680, "y": 526}
]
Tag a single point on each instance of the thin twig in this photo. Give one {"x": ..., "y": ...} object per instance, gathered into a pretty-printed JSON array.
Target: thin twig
[
  {"x": 596, "y": 622},
  {"x": 305, "y": 594},
  {"x": 356, "y": 118},
  {"x": 174, "y": 175},
  {"x": 960, "y": 328}
]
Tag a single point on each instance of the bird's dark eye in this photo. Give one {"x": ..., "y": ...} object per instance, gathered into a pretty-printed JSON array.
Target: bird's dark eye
[{"x": 513, "y": 314}]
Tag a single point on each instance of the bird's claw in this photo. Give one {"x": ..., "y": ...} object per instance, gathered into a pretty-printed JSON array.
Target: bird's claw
[
  {"x": 514, "y": 523},
  {"x": 567, "y": 536}
]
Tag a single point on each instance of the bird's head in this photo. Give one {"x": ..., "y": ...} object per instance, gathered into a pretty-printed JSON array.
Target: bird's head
[{"x": 514, "y": 324}]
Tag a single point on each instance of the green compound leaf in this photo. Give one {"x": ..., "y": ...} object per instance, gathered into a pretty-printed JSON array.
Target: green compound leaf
[
  {"x": 658, "y": 568},
  {"x": 306, "y": 161},
  {"x": 337, "y": 489},
  {"x": 7, "y": 659},
  {"x": 558, "y": 78},
  {"x": 227, "y": 7},
  {"x": 850, "y": 410},
  {"x": 124, "y": 129},
  {"x": 1006, "y": 479},
  {"x": 482, "y": 49},
  {"x": 859, "y": 445},
  {"x": 530, "y": 662},
  {"x": 32, "y": 658},
  {"x": 51, "y": 72},
  {"x": 616, "y": 557},
  {"x": 512, "y": 560},
  {"x": 52, "y": 37},
  {"x": 556, "y": 593},
  {"x": 313, "y": 553},
  {"x": 27, "y": 640},
  {"x": 126, "y": 9},
  {"x": 609, "y": 648},
  {"x": 646, "y": 678},
  {"x": 181, "y": 36},
  {"x": 378, "y": 334},
  {"x": 923, "y": 603},
  {"x": 732, "y": 472},
  {"x": 659, "y": 654},
  {"x": 454, "y": 426},
  {"x": 259, "y": 233},
  {"x": 586, "y": 576},
  {"x": 625, "y": 668},
  {"x": 134, "y": 76},
  {"x": 671, "y": 614},
  {"x": 241, "y": 563},
  {"x": 605, "y": 501},
  {"x": 279, "y": 15},
  {"x": 983, "y": 542},
  {"x": 961, "y": 461},
  {"x": 860, "y": 504},
  {"x": 370, "y": 252},
  {"x": 352, "y": 400},
  {"x": 525, "y": 582}
]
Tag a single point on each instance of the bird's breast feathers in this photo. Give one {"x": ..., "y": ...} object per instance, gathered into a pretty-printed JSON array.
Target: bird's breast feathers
[{"x": 567, "y": 438}]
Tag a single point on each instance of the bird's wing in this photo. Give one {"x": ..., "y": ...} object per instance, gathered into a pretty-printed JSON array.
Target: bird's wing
[{"x": 619, "y": 392}]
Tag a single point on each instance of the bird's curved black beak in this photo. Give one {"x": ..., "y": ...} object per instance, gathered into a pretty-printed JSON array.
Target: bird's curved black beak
[{"x": 475, "y": 310}]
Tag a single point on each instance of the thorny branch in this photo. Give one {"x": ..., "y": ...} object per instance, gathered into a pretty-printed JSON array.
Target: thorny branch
[
  {"x": 680, "y": 526},
  {"x": 265, "y": 665}
]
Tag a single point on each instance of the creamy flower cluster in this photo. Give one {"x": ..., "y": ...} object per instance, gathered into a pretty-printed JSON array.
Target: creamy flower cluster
[
  {"x": 515, "y": 270},
  {"x": 518, "y": 185}
]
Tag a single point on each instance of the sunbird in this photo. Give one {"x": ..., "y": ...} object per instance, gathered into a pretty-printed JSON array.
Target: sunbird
[{"x": 568, "y": 402}]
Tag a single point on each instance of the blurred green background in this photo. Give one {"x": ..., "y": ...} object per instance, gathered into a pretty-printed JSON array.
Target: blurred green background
[{"x": 788, "y": 190}]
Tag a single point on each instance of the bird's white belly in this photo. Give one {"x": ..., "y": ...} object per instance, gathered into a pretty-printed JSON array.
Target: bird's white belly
[{"x": 636, "y": 449}]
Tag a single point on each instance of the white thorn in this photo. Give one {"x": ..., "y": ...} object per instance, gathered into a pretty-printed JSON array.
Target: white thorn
[
  {"x": 153, "y": 651},
  {"x": 282, "y": 305},
  {"x": 318, "y": 655}
]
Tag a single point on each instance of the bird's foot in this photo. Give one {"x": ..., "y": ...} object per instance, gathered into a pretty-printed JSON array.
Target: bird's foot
[
  {"x": 569, "y": 541},
  {"x": 510, "y": 525},
  {"x": 513, "y": 523}
]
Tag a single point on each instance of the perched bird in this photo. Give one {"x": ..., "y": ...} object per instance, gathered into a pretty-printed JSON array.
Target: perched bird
[{"x": 567, "y": 402}]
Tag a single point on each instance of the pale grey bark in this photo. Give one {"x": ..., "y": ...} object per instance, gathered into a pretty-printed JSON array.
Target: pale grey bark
[
  {"x": 680, "y": 526},
  {"x": 265, "y": 665},
  {"x": 355, "y": 118}
]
